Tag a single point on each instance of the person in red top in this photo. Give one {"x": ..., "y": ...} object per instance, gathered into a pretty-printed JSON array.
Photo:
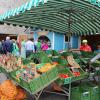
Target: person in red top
[{"x": 85, "y": 46}]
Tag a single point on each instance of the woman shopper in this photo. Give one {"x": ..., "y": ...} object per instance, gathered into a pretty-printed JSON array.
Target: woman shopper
[
  {"x": 44, "y": 46},
  {"x": 23, "y": 51},
  {"x": 15, "y": 48},
  {"x": 38, "y": 45}
]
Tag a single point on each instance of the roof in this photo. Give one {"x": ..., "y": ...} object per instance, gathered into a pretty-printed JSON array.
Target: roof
[{"x": 63, "y": 16}]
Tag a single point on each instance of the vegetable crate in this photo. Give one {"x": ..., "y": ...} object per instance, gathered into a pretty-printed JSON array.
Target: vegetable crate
[
  {"x": 52, "y": 52},
  {"x": 87, "y": 54},
  {"x": 71, "y": 77},
  {"x": 64, "y": 80},
  {"x": 40, "y": 57},
  {"x": 78, "y": 93},
  {"x": 39, "y": 83},
  {"x": 93, "y": 89},
  {"x": 62, "y": 62},
  {"x": 83, "y": 75}
]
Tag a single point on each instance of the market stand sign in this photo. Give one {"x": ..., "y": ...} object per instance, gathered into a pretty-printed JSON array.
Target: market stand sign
[{"x": 42, "y": 33}]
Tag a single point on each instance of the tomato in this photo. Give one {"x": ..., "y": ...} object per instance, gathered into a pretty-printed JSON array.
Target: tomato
[
  {"x": 63, "y": 75},
  {"x": 56, "y": 63},
  {"x": 76, "y": 73}
]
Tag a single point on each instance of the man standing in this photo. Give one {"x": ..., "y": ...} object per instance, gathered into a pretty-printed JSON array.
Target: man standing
[
  {"x": 29, "y": 46},
  {"x": 85, "y": 46},
  {"x": 8, "y": 45}
]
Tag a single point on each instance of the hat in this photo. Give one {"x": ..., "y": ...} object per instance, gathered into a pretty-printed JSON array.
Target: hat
[{"x": 84, "y": 41}]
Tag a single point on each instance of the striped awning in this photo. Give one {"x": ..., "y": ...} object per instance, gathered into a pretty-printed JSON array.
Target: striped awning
[
  {"x": 79, "y": 17},
  {"x": 22, "y": 9}
]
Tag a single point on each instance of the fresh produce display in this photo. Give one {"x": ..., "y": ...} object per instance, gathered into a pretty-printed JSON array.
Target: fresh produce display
[
  {"x": 31, "y": 71},
  {"x": 8, "y": 91},
  {"x": 27, "y": 72},
  {"x": 21, "y": 95},
  {"x": 37, "y": 72},
  {"x": 76, "y": 73},
  {"x": 46, "y": 67},
  {"x": 9, "y": 62},
  {"x": 64, "y": 76},
  {"x": 72, "y": 62}
]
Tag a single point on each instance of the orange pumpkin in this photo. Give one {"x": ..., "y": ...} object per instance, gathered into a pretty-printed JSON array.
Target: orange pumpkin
[
  {"x": 8, "y": 89},
  {"x": 21, "y": 95},
  {"x": 3, "y": 97}
]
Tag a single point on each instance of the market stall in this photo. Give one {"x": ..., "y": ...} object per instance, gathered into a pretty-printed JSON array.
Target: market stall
[{"x": 70, "y": 17}]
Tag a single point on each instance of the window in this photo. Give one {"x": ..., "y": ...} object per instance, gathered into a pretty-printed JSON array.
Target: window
[{"x": 66, "y": 38}]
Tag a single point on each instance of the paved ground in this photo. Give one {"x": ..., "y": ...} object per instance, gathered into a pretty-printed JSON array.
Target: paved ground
[{"x": 48, "y": 96}]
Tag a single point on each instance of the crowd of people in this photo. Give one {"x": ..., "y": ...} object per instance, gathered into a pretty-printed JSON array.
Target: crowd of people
[
  {"x": 23, "y": 49},
  {"x": 26, "y": 48}
]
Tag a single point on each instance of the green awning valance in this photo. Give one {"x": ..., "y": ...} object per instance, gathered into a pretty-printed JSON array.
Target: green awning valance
[
  {"x": 64, "y": 16},
  {"x": 22, "y": 9}
]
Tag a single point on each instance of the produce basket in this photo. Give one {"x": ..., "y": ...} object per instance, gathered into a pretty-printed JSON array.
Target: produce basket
[
  {"x": 65, "y": 54},
  {"x": 71, "y": 77},
  {"x": 93, "y": 89},
  {"x": 49, "y": 52},
  {"x": 78, "y": 93},
  {"x": 38, "y": 83},
  {"x": 76, "y": 55},
  {"x": 64, "y": 80},
  {"x": 62, "y": 62},
  {"x": 83, "y": 75},
  {"x": 55, "y": 58},
  {"x": 87, "y": 54},
  {"x": 39, "y": 57},
  {"x": 96, "y": 63}
]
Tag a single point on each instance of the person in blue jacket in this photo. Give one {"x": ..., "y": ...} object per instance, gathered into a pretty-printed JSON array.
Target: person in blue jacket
[{"x": 8, "y": 45}]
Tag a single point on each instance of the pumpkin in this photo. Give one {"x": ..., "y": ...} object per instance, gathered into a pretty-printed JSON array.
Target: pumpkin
[
  {"x": 3, "y": 97},
  {"x": 0, "y": 95},
  {"x": 21, "y": 94},
  {"x": 8, "y": 89}
]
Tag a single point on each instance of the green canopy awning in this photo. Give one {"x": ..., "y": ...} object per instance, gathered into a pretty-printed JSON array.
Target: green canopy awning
[{"x": 63, "y": 16}]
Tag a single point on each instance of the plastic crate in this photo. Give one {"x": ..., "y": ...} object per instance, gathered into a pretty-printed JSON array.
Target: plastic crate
[
  {"x": 65, "y": 80},
  {"x": 87, "y": 54},
  {"x": 48, "y": 52},
  {"x": 82, "y": 75},
  {"x": 55, "y": 53},
  {"x": 78, "y": 93},
  {"x": 93, "y": 89},
  {"x": 62, "y": 62},
  {"x": 39, "y": 83},
  {"x": 55, "y": 59},
  {"x": 96, "y": 64},
  {"x": 65, "y": 54},
  {"x": 52, "y": 74},
  {"x": 76, "y": 55}
]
